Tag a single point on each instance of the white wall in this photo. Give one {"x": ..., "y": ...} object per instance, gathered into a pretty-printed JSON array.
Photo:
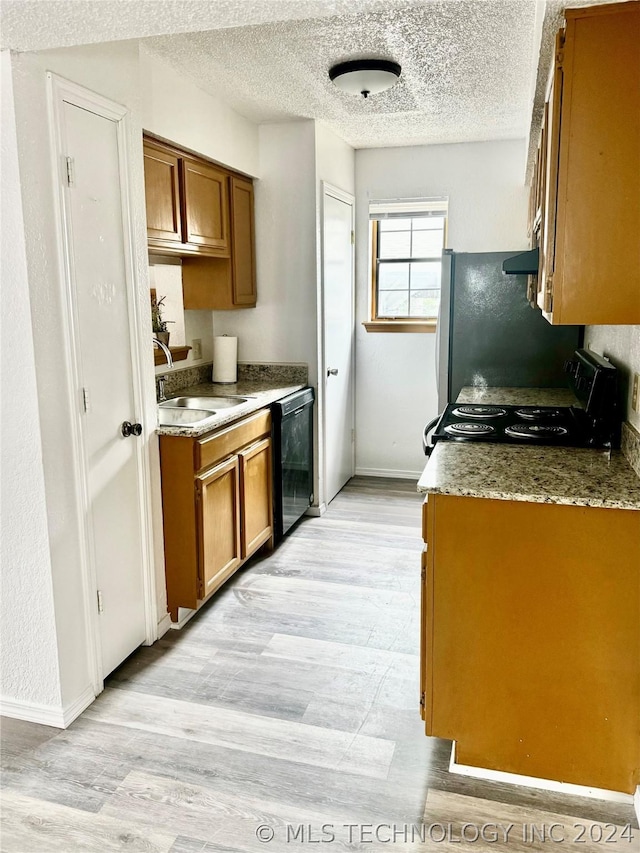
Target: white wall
[
  {"x": 111, "y": 70},
  {"x": 30, "y": 671},
  {"x": 295, "y": 157},
  {"x": 174, "y": 108},
  {"x": 283, "y": 325},
  {"x": 396, "y": 391}
]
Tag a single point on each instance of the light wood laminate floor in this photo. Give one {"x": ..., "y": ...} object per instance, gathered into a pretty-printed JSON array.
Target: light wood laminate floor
[{"x": 288, "y": 705}]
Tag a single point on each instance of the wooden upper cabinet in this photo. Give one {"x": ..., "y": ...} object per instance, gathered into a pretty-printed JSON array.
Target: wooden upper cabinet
[
  {"x": 243, "y": 273},
  {"x": 204, "y": 214},
  {"x": 205, "y": 207},
  {"x": 548, "y": 183},
  {"x": 591, "y": 263},
  {"x": 226, "y": 283},
  {"x": 162, "y": 194}
]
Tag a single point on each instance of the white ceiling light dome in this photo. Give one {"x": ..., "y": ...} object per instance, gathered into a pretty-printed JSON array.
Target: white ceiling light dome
[{"x": 365, "y": 76}]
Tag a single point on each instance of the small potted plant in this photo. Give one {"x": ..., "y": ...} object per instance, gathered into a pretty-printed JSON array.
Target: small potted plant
[{"x": 158, "y": 323}]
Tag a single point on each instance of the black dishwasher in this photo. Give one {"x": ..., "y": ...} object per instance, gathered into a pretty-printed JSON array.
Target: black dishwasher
[{"x": 292, "y": 459}]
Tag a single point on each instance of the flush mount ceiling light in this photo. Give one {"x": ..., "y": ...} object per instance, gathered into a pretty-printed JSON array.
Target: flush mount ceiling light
[{"x": 365, "y": 76}]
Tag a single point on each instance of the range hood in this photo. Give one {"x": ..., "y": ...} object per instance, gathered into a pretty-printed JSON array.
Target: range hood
[{"x": 526, "y": 263}]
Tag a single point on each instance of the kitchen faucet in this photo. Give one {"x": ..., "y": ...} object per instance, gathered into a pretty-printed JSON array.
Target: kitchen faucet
[
  {"x": 160, "y": 380},
  {"x": 165, "y": 349}
]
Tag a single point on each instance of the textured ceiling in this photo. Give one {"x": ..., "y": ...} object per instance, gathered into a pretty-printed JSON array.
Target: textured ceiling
[
  {"x": 469, "y": 66},
  {"x": 468, "y": 70},
  {"x": 42, "y": 24}
]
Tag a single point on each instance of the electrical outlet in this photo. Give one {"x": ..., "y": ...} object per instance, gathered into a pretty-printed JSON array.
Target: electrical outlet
[
  {"x": 196, "y": 348},
  {"x": 635, "y": 394}
]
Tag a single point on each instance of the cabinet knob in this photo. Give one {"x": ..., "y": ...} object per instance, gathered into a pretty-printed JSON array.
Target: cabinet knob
[
  {"x": 332, "y": 371},
  {"x": 131, "y": 429}
]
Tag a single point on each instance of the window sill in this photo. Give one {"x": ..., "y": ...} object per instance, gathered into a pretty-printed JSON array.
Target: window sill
[{"x": 424, "y": 326}]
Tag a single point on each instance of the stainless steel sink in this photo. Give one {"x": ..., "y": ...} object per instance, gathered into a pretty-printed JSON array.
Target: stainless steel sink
[
  {"x": 182, "y": 416},
  {"x": 205, "y": 403}
]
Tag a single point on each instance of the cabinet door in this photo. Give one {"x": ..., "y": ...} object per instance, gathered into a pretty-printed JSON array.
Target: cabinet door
[
  {"x": 243, "y": 251},
  {"x": 218, "y": 524},
  {"x": 206, "y": 207},
  {"x": 426, "y": 615},
  {"x": 161, "y": 186},
  {"x": 597, "y": 262},
  {"x": 549, "y": 185},
  {"x": 256, "y": 496}
]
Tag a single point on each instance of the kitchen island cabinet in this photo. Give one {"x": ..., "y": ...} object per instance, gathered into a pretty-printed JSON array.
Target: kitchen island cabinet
[{"x": 217, "y": 505}]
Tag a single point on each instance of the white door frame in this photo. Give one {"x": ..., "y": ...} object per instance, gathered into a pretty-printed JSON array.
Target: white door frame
[
  {"x": 333, "y": 191},
  {"x": 61, "y": 91}
]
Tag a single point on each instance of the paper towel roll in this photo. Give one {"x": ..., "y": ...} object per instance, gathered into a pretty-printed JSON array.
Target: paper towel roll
[{"x": 225, "y": 359}]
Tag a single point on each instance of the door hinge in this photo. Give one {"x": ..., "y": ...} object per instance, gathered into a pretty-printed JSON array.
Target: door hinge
[
  {"x": 423, "y": 700},
  {"x": 423, "y": 574},
  {"x": 85, "y": 400},
  {"x": 100, "y": 603},
  {"x": 353, "y": 436},
  {"x": 71, "y": 171},
  {"x": 353, "y": 238}
]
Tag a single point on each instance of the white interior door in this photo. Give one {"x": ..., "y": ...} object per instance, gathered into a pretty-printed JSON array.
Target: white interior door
[
  {"x": 97, "y": 262},
  {"x": 338, "y": 335}
]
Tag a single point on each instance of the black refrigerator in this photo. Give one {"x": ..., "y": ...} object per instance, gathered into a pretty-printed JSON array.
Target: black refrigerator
[{"x": 489, "y": 335}]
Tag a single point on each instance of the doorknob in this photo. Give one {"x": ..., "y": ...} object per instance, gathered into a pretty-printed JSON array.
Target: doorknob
[
  {"x": 131, "y": 429},
  {"x": 332, "y": 371}
]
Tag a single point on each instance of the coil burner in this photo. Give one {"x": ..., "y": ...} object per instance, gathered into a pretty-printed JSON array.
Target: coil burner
[
  {"x": 483, "y": 412},
  {"x": 469, "y": 430},
  {"x": 539, "y": 413},
  {"x": 536, "y": 431}
]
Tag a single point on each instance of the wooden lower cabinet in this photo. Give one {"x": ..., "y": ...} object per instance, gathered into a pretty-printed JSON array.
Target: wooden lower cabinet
[
  {"x": 256, "y": 491},
  {"x": 217, "y": 506},
  {"x": 218, "y": 519},
  {"x": 531, "y": 638}
]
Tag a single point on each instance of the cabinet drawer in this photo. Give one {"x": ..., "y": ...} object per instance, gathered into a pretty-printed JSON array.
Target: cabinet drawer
[{"x": 211, "y": 449}]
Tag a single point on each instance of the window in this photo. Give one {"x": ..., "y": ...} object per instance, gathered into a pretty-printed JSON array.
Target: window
[{"x": 407, "y": 239}]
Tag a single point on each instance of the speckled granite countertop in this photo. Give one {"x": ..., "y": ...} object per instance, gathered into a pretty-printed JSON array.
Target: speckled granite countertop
[
  {"x": 575, "y": 476},
  {"x": 262, "y": 393}
]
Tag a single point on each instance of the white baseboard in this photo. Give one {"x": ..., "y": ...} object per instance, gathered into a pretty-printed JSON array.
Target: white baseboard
[
  {"x": 184, "y": 614},
  {"x": 636, "y": 803},
  {"x": 316, "y": 511},
  {"x": 388, "y": 472},
  {"x": 164, "y": 625},
  {"x": 543, "y": 784},
  {"x": 47, "y": 715}
]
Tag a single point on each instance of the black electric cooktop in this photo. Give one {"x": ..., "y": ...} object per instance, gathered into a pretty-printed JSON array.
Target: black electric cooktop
[{"x": 526, "y": 425}]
